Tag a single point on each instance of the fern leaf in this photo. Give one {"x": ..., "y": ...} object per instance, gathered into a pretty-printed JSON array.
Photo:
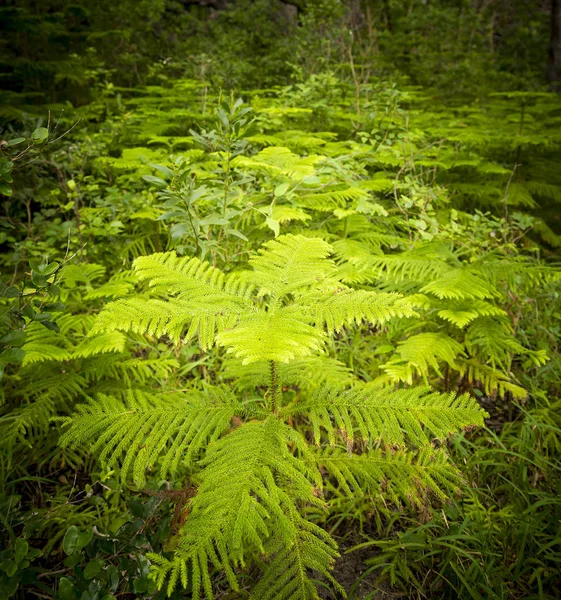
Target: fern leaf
[
  {"x": 345, "y": 306},
  {"x": 287, "y": 574},
  {"x": 460, "y": 284},
  {"x": 494, "y": 382},
  {"x": 419, "y": 353},
  {"x": 306, "y": 373},
  {"x": 291, "y": 263},
  {"x": 25, "y": 422},
  {"x": 191, "y": 278},
  {"x": 112, "y": 341},
  {"x": 240, "y": 503},
  {"x": 492, "y": 339},
  {"x": 329, "y": 200},
  {"x": 387, "y": 415},
  {"x": 42, "y": 345},
  {"x": 405, "y": 476},
  {"x": 422, "y": 263},
  {"x": 205, "y": 298},
  {"x": 461, "y": 314},
  {"x": 277, "y": 336},
  {"x": 143, "y": 427}
]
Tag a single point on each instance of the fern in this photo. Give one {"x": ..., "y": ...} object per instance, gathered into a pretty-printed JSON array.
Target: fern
[
  {"x": 459, "y": 284},
  {"x": 112, "y": 341},
  {"x": 286, "y": 575},
  {"x": 44, "y": 345},
  {"x": 405, "y": 476},
  {"x": 307, "y": 373},
  {"x": 252, "y": 459},
  {"x": 461, "y": 313},
  {"x": 388, "y": 416},
  {"x": 493, "y": 381},
  {"x": 136, "y": 431},
  {"x": 418, "y": 353},
  {"x": 227, "y": 308}
]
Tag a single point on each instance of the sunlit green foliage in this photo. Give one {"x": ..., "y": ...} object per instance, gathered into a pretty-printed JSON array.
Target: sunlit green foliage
[{"x": 246, "y": 331}]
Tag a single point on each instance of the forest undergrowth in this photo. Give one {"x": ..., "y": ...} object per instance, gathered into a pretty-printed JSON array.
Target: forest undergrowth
[{"x": 294, "y": 342}]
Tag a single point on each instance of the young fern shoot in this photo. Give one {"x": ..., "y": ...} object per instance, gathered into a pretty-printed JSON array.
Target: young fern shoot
[{"x": 262, "y": 460}]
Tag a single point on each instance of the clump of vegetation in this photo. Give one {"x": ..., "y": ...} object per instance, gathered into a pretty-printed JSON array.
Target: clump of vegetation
[{"x": 243, "y": 337}]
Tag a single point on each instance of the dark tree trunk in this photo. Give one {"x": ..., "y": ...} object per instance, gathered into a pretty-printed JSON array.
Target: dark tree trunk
[{"x": 554, "y": 67}]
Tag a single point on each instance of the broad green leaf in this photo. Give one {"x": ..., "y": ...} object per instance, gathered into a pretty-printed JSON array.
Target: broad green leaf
[
  {"x": 70, "y": 541},
  {"x": 93, "y": 568},
  {"x": 13, "y": 355},
  {"x": 16, "y": 141},
  {"x": 14, "y": 338},
  {"x": 281, "y": 189},
  {"x": 274, "y": 225},
  {"x": 65, "y": 589},
  {"x": 21, "y": 548},
  {"x": 40, "y": 134}
]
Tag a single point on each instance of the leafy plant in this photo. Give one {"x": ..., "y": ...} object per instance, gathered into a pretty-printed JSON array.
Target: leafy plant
[{"x": 257, "y": 468}]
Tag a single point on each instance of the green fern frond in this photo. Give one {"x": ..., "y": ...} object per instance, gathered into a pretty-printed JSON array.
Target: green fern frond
[
  {"x": 419, "y": 353},
  {"x": 127, "y": 370},
  {"x": 242, "y": 502},
  {"x": 481, "y": 191},
  {"x": 387, "y": 415},
  {"x": 354, "y": 251},
  {"x": 143, "y": 315},
  {"x": 265, "y": 139},
  {"x": 290, "y": 263},
  {"x": 279, "y": 160},
  {"x": 492, "y": 340},
  {"x": 25, "y": 422},
  {"x": 494, "y": 382},
  {"x": 286, "y": 214},
  {"x": 80, "y": 324},
  {"x": 380, "y": 184},
  {"x": 547, "y": 234},
  {"x": 519, "y": 195},
  {"x": 459, "y": 284},
  {"x": 118, "y": 286},
  {"x": 404, "y": 476},
  {"x": 278, "y": 336},
  {"x": 544, "y": 190},
  {"x": 461, "y": 314},
  {"x": 427, "y": 262},
  {"x": 226, "y": 309},
  {"x": 191, "y": 278},
  {"x": 206, "y": 299},
  {"x": 112, "y": 341},
  {"x": 331, "y": 199},
  {"x": 137, "y": 431},
  {"x": 42, "y": 345},
  {"x": 73, "y": 274},
  {"x": 306, "y": 373},
  {"x": 345, "y": 306},
  {"x": 287, "y": 575},
  {"x": 57, "y": 383}
]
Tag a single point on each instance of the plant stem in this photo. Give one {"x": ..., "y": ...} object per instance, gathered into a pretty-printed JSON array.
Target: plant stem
[{"x": 274, "y": 389}]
